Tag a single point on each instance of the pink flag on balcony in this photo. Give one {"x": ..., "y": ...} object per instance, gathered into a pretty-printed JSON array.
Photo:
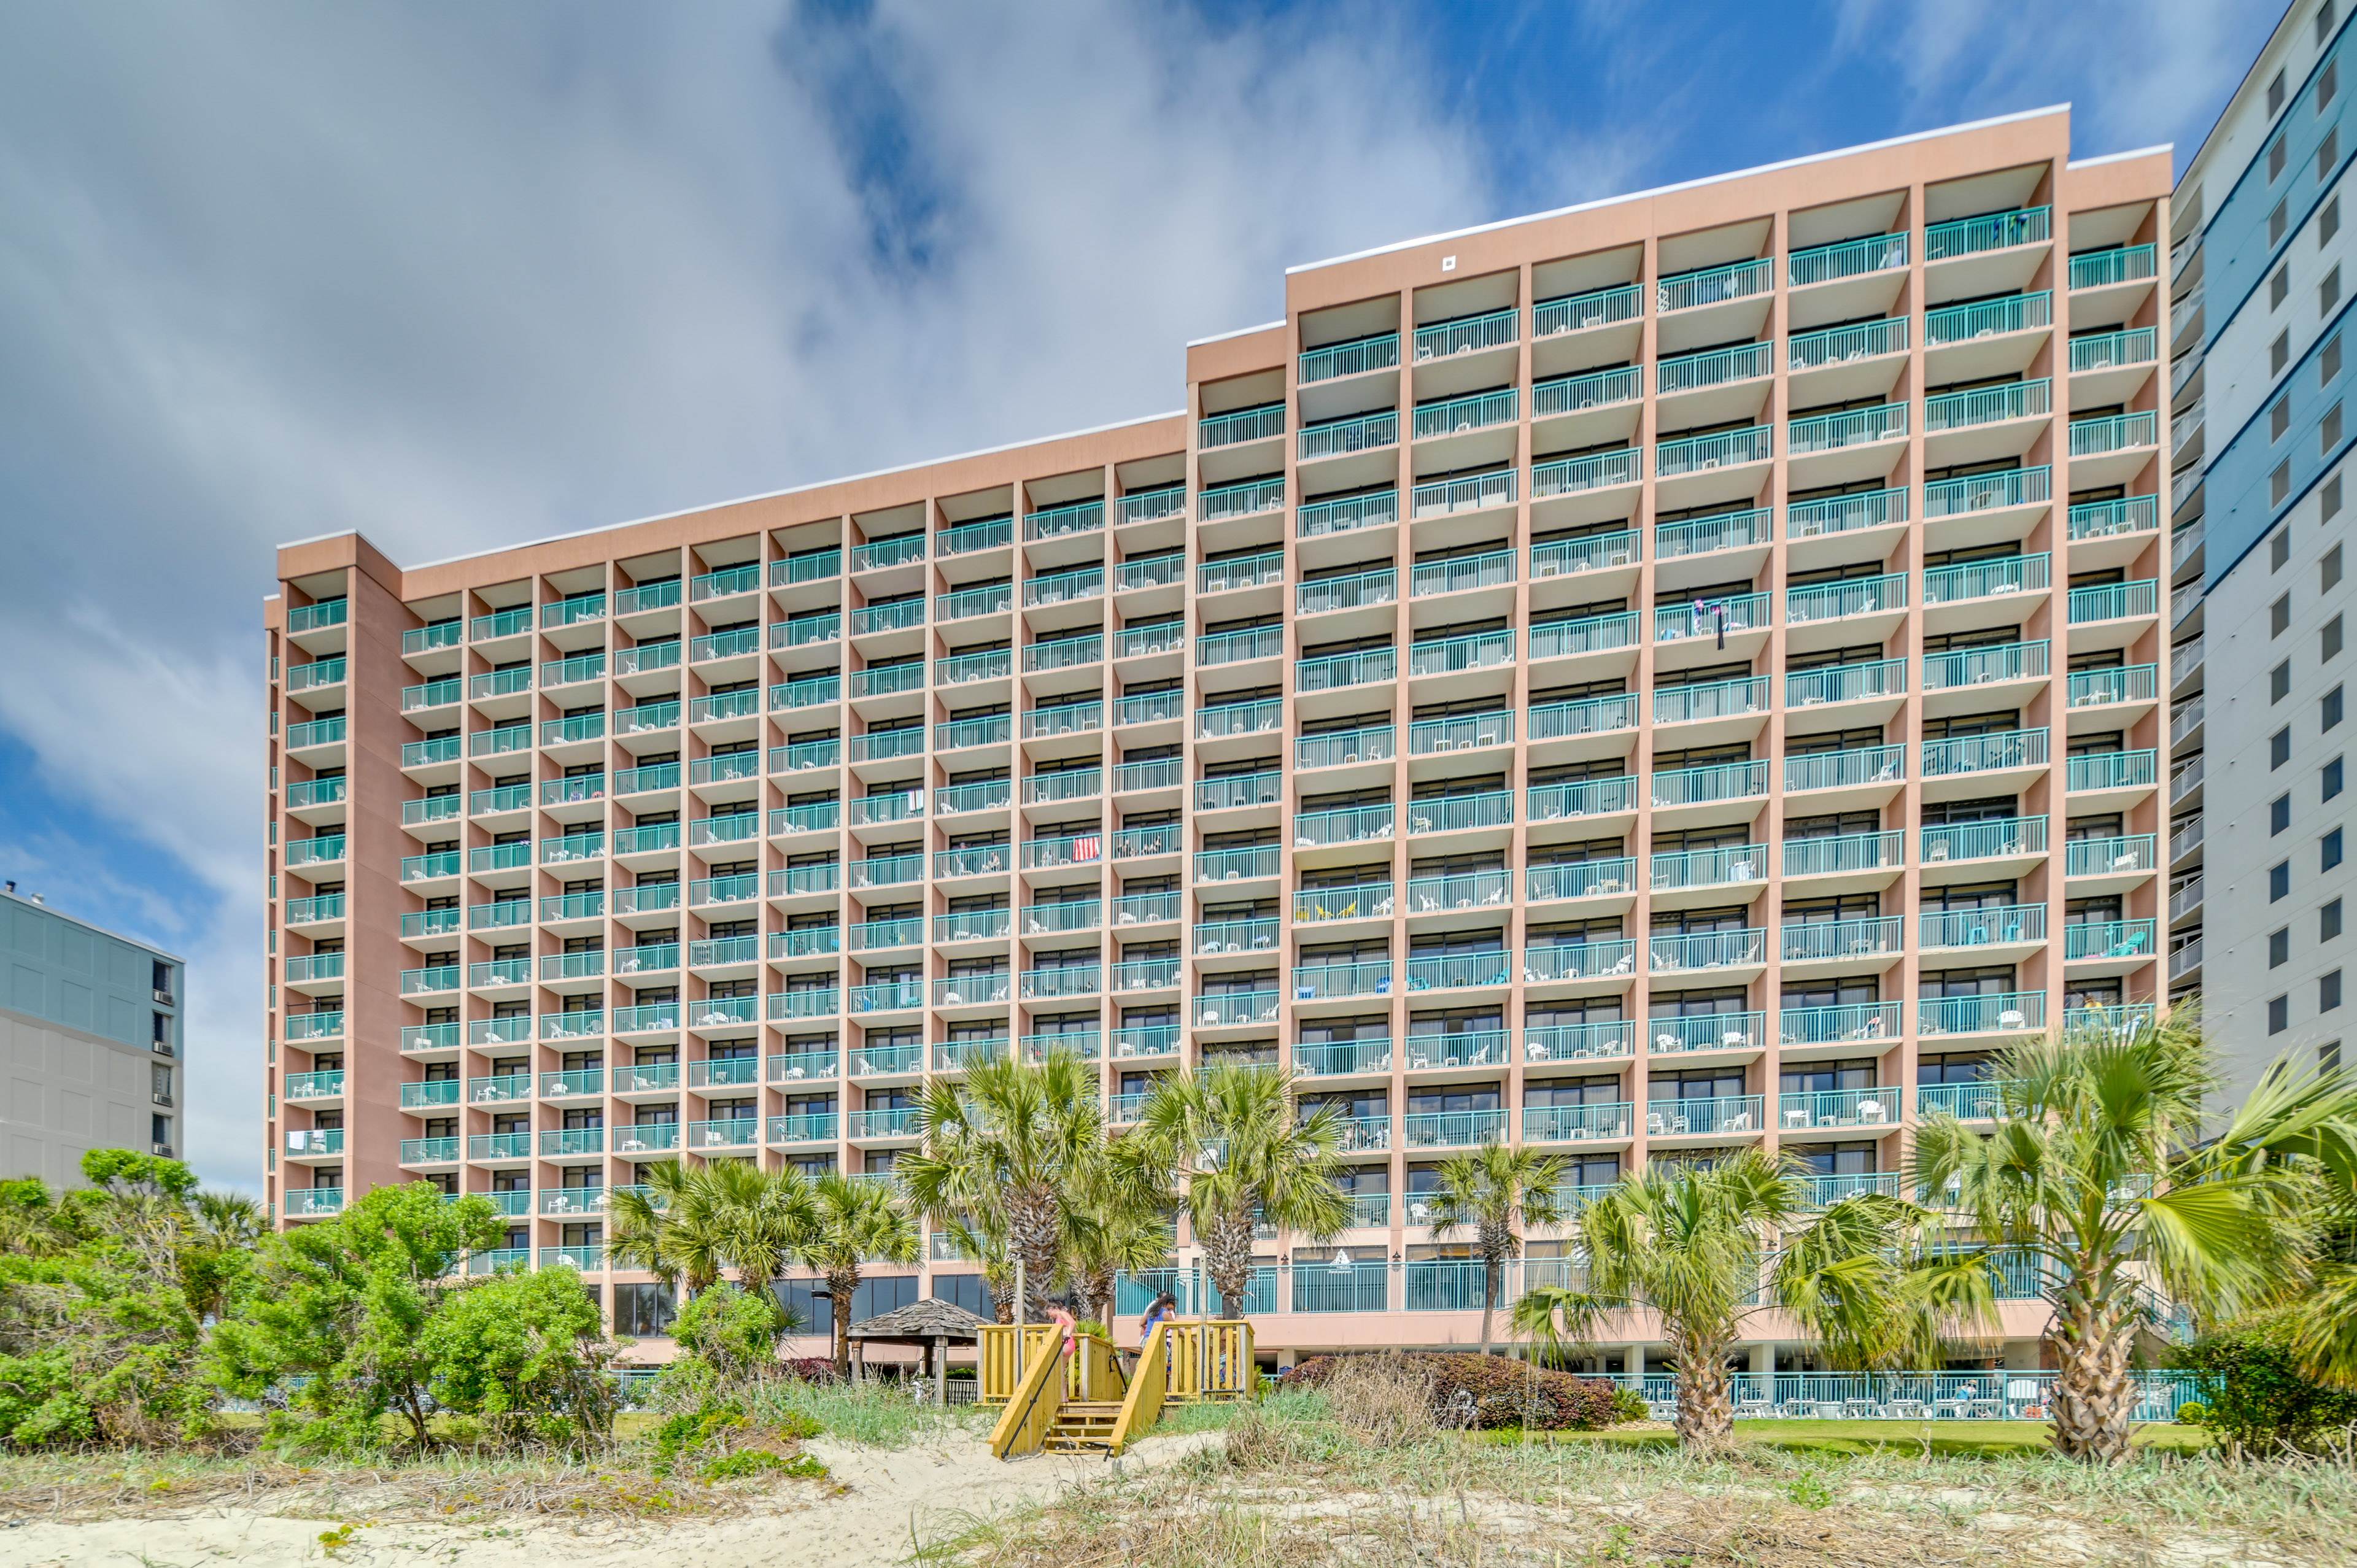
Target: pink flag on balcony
[{"x": 1085, "y": 846}]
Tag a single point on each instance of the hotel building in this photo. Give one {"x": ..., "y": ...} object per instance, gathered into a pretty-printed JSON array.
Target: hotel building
[
  {"x": 2259, "y": 441},
  {"x": 1681, "y": 672}
]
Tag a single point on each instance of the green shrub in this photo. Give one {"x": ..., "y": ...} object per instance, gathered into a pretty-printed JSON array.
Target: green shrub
[
  {"x": 1628, "y": 1404},
  {"x": 2259, "y": 1397},
  {"x": 682, "y": 1435},
  {"x": 732, "y": 1332},
  {"x": 2193, "y": 1412}
]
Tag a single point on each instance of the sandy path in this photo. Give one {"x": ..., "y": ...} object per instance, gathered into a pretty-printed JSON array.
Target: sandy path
[{"x": 892, "y": 1498}]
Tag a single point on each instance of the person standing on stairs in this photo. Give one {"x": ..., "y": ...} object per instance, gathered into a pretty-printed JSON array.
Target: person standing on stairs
[{"x": 1159, "y": 1313}]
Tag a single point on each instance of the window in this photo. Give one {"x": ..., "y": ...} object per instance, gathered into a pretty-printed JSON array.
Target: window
[
  {"x": 2275, "y": 103},
  {"x": 2330, "y": 708},
  {"x": 2331, "y": 503},
  {"x": 2279, "y": 948},
  {"x": 2328, "y": 569},
  {"x": 2327, "y": 222},
  {"x": 2328, "y": 991},
  {"x": 2279, "y": 615},
  {"x": 2327, "y": 1057},
  {"x": 2279, "y": 419},
  {"x": 2279, "y": 483},
  {"x": 2279, "y": 286},
  {"x": 2328, "y": 921},
  {"x": 2278, "y": 353},
  {"x": 2278, "y": 1014},
  {"x": 2279, "y": 548},
  {"x": 2334, "y": 781},
  {"x": 2327, "y": 640},
  {"x": 2278, "y": 814},
  {"x": 2279, "y": 682},
  {"x": 2328, "y": 155},
  {"x": 2324, "y": 20},
  {"x": 2278, "y": 221},
  {"x": 2327, "y": 293},
  {"x": 2330, "y": 850},
  {"x": 2278, "y": 881},
  {"x": 2278, "y": 749},
  {"x": 2328, "y": 432},
  {"x": 2328, "y": 362},
  {"x": 644, "y": 1310}
]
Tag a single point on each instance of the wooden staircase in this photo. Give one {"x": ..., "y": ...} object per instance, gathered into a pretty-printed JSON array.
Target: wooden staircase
[{"x": 1084, "y": 1426}]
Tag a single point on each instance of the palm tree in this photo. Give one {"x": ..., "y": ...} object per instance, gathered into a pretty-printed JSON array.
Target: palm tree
[
  {"x": 1707, "y": 1248},
  {"x": 1016, "y": 1138},
  {"x": 1229, "y": 1141},
  {"x": 1492, "y": 1189},
  {"x": 2098, "y": 1182},
  {"x": 1113, "y": 1229},
  {"x": 849, "y": 1224},
  {"x": 684, "y": 1227}
]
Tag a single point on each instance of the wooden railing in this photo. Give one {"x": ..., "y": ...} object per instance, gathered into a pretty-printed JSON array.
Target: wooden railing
[
  {"x": 1036, "y": 1397},
  {"x": 1004, "y": 1363},
  {"x": 1208, "y": 1359},
  {"x": 1212, "y": 1359},
  {"x": 1142, "y": 1406}
]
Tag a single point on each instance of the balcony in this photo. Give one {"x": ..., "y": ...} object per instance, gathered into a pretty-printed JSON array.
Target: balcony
[
  {"x": 1834, "y": 941},
  {"x": 1976, "y": 1102},
  {"x": 1732, "y": 1115},
  {"x": 1325, "y": 981},
  {"x": 1999, "y": 926},
  {"x": 1579, "y": 1042},
  {"x": 1845, "y": 682},
  {"x": 1832, "y": 515},
  {"x": 1581, "y": 312},
  {"x": 1343, "y": 1058},
  {"x": 1453, "y": 1129},
  {"x": 1846, "y": 259},
  {"x": 1990, "y": 231},
  {"x": 426, "y": 1151},
  {"x": 1998, "y": 491},
  {"x": 1697, "y": 455},
  {"x": 1844, "y": 854},
  {"x": 1460, "y": 813},
  {"x": 2014, "y": 1012},
  {"x": 1460, "y": 969},
  {"x": 1674, "y": 953},
  {"x": 1355, "y": 358},
  {"x": 1578, "y": 960},
  {"x": 2095, "y": 940},
  {"x": 2002, "y": 751},
  {"x": 1846, "y": 1024},
  {"x": 1993, "y": 839}
]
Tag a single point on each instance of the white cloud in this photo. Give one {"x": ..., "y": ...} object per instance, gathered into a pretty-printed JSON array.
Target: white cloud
[{"x": 275, "y": 270}]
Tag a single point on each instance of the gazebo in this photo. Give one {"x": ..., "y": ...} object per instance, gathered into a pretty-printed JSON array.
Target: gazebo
[{"x": 930, "y": 1325}]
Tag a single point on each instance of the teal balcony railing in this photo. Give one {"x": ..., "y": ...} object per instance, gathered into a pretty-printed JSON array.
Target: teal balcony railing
[
  {"x": 994, "y": 729},
  {"x": 313, "y": 732},
  {"x": 1561, "y": 557},
  {"x": 1848, "y": 1021},
  {"x": 1578, "y": 960},
  {"x": 1715, "y": 285},
  {"x": 2115, "y": 601},
  {"x": 586, "y": 1025},
  {"x": 726, "y": 583},
  {"x": 1352, "y": 358},
  {"x": 1458, "y": 813},
  {"x": 897, "y": 550},
  {"x": 1426, "y": 737},
  {"x": 1724, "y": 448},
  {"x": 2111, "y": 770},
  {"x": 578, "y": 1083},
  {"x": 891, "y": 1122},
  {"x": 1341, "y": 1057},
  {"x": 1977, "y": 1101},
  {"x": 325, "y": 906},
  {"x": 1846, "y": 515},
  {"x": 1574, "y": 476},
  {"x": 897, "y": 615},
  {"x": 422, "y": 1151},
  {"x": 1853, "y": 427},
  {"x": 953, "y": 800},
  {"x": 1346, "y": 513},
  {"x": 1235, "y": 936},
  {"x": 1988, "y": 318},
  {"x": 1590, "y": 634},
  {"x": 655, "y": 1017},
  {"x": 2005, "y": 1011},
  {"x": 1452, "y": 1129},
  {"x": 1702, "y": 535},
  {"x": 1378, "y": 586},
  {"x": 1853, "y": 597},
  {"x": 1240, "y": 571},
  {"x": 1843, "y": 770},
  {"x": 1586, "y": 715},
  {"x": 898, "y": 805},
  {"x": 326, "y": 849},
  {"x": 1582, "y": 879},
  {"x": 1063, "y": 587},
  {"x": 1313, "y": 980},
  {"x": 2123, "y": 683},
  {"x": 1724, "y": 866},
  {"x": 1816, "y": 941},
  {"x": 1452, "y": 655},
  {"x": 1990, "y": 231},
  {"x": 1582, "y": 798},
  {"x": 2129, "y": 855},
  {"x": 499, "y": 1146},
  {"x": 1335, "y": 747},
  {"x": 1985, "y": 753},
  {"x": 1730, "y": 1115},
  {"x": 1987, "y": 405},
  {"x": 1467, "y": 334},
  {"x": 1253, "y": 863},
  {"x": 1995, "y": 838},
  {"x": 1458, "y": 970},
  {"x": 2110, "y": 519},
  {"x": 582, "y": 1140},
  {"x": 1579, "y": 1042},
  {"x": 313, "y": 1202},
  {"x": 1578, "y": 312},
  {"x": 2114, "y": 351},
  {"x": 1250, "y": 498},
  {"x": 1735, "y": 613},
  {"x": 959, "y": 668},
  {"x": 317, "y": 673},
  {"x": 438, "y": 977},
  {"x": 431, "y": 694},
  {"x": 1988, "y": 492},
  {"x": 1335, "y": 672},
  {"x": 1846, "y": 259},
  {"x": 964, "y": 603},
  {"x": 807, "y": 630},
  {"x": 1674, "y": 952},
  {"x": 1230, "y": 791},
  {"x": 1146, "y": 1040},
  {"x": 1063, "y": 718},
  {"x": 1240, "y": 425},
  {"x": 2118, "y": 433},
  {"x": 1840, "y": 853},
  {"x": 420, "y": 753},
  {"x": 1981, "y": 666},
  {"x": 806, "y": 1002},
  {"x": 426, "y": 867},
  {"x": 1246, "y": 642},
  {"x": 1996, "y": 925},
  {"x": 1846, "y": 1108},
  {"x": 1361, "y": 433},
  {"x": 2108, "y": 939},
  {"x": 1061, "y": 521},
  {"x": 1454, "y": 416},
  {"x": 1988, "y": 579},
  {"x": 1577, "y": 1124},
  {"x": 806, "y": 941},
  {"x": 1473, "y": 492},
  {"x": 1836, "y": 345},
  {"x": 1596, "y": 389},
  {"x": 808, "y": 1127},
  {"x": 965, "y": 538},
  {"x": 319, "y": 616},
  {"x": 1710, "y": 699},
  {"x": 1713, "y": 367},
  {"x": 1703, "y": 786},
  {"x": 2121, "y": 264},
  {"x": 323, "y": 1085},
  {"x": 1845, "y": 682}
]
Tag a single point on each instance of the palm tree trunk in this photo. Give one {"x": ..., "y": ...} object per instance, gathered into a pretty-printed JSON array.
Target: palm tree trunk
[
  {"x": 2093, "y": 1396},
  {"x": 1227, "y": 1252},
  {"x": 840, "y": 1285},
  {"x": 1034, "y": 1223},
  {"x": 1489, "y": 1299},
  {"x": 1705, "y": 1418}
]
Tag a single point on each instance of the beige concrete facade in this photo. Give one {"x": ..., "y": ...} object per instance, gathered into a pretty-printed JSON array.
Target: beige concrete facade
[{"x": 1684, "y": 671}]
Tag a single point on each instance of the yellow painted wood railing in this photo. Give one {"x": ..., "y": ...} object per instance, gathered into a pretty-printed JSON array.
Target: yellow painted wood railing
[
  {"x": 1031, "y": 1409},
  {"x": 1143, "y": 1405},
  {"x": 1003, "y": 1363},
  {"x": 1212, "y": 1359}
]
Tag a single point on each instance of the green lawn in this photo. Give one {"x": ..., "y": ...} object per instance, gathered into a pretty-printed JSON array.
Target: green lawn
[{"x": 1957, "y": 1437}]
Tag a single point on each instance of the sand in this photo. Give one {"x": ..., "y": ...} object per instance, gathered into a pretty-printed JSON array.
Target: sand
[{"x": 882, "y": 1502}]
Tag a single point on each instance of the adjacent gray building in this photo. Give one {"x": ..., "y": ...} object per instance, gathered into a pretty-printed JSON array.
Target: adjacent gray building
[{"x": 90, "y": 1041}]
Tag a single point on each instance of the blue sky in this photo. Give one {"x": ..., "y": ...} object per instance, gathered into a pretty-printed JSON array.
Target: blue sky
[{"x": 457, "y": 277}]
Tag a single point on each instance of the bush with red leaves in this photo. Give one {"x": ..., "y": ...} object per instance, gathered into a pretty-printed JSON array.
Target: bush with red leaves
[{"x": 1493, "y": 1391}]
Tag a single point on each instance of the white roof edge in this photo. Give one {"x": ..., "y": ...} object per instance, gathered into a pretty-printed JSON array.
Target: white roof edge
[
  {"x": 2168, "y": 147},
  {"x": 108, "y": 932},
  {"x": 1239, "y": 332},
  {"x": 1685, "y": 184},
  {"x": 766, "y": 495}
]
